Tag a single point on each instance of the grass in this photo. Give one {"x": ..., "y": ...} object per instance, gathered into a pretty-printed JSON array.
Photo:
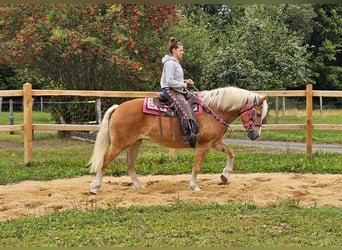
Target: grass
[
  {"x": 66, "y": 158},
  {"x": 53, "y": 158},
  {"x": 37, "y": 117},
  {"x": 181, "y": 224},
  {"x": 295, "y": 116}
]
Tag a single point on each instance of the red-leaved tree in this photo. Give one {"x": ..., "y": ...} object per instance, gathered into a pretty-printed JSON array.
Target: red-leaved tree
[{"x": 81, "y": 46}]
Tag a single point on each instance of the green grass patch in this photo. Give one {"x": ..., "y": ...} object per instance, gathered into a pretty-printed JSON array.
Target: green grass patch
[
  {"x": 181, "y": 225},
  {"x": 37, "y": 117},
  {"x": 66, "y": 158},
  {"x": 54, "y": 158}
]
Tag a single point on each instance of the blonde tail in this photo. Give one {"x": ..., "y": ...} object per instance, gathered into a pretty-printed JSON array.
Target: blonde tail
[{"x": 101, "y": 143}]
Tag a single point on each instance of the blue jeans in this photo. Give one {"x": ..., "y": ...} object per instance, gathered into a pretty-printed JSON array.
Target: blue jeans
[{"x": 166, "y": 95}]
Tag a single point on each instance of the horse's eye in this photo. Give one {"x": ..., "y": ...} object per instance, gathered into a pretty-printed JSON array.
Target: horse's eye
[{"x": 256, "y": 113}]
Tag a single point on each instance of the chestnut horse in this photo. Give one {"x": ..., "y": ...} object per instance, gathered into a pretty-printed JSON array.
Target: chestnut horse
[{"x": 124, "y": 126}]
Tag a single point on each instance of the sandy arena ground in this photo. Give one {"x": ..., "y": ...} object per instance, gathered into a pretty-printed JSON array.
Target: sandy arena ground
[{"x": 36, "y": 198}]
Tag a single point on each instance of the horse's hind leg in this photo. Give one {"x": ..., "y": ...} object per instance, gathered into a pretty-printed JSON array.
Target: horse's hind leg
[
  {"x": 230, "y": 160},
  {"x": 97, "y": 182},
  {"x": 132, "y": 153},
  {"x": 111, "y": 153}
]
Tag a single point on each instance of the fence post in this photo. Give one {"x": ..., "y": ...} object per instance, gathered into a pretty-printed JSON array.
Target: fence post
[
  {"x": 276, "y": 110},
  {"x": 41, "y": 104},
  {"x": 309, "y": 126},
  {"x": 27, "y": 96},
  {"x": 321, "y": 105},
  {"x": 98, "y": 111},
  {"x": 11, "y": 116}
]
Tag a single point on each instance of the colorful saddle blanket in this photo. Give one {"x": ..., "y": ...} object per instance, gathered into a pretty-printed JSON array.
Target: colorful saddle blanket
[{"x": 154, "y": 106}]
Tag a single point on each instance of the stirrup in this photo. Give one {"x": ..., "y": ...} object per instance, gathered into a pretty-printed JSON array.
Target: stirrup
[{"x": 162, "y": 98}]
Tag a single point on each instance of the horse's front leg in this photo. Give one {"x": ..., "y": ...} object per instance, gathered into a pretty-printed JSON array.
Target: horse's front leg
[
  {"x": 230, "y": 160},
  {"x": 200, "y": 153}
]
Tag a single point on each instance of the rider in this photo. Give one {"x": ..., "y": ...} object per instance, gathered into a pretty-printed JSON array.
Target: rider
[{"x": 174, "y": 89}]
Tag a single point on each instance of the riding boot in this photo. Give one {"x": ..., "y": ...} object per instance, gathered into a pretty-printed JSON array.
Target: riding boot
[{"x": 190, "y": 131}]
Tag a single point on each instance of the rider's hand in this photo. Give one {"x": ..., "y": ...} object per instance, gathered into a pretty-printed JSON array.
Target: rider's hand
[{"x": 189, "y": 81}]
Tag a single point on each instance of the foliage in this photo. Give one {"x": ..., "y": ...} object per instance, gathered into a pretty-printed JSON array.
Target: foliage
[
  {"x": 215, "y": 18},
  {"x": 299, "y": 19},
  {"x": 261, "y": 53},
  {"x": 89, "y": 40},
  {"x": 119, "y": 46},
  {"x": 326, "y": 42},
  {"x": 7, "y": 77},
  {"x": 179, "y": 224},
  {"x": 83, "y": 46},
  {"x": 197, "y": 47}
]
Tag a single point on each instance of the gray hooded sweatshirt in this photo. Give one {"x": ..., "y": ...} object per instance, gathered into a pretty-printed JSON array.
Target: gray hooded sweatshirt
[{"x": 173, "y": 74}]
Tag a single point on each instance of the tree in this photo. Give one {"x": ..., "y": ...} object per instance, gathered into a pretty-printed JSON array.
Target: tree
[
  {"x": 299, "y": 19},
  {"x": 197, "y": 45},
  {"x": 80, "y": 46},
  {"x": 7, "y": 75},
  {"x": 326, "y": 46},
  {"x": 260, "y": 53}
]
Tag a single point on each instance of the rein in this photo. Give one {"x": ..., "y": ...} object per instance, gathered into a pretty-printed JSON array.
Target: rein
[{"x": 211, "y": 112}]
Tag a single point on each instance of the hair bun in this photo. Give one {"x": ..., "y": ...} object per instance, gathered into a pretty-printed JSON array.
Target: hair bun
[{"x": 172, "y": 41}]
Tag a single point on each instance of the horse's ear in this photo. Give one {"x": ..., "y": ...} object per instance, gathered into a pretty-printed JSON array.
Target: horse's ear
[{"x": 262, "y": 99}]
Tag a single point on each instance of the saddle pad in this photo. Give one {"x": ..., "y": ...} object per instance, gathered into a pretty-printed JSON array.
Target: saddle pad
[{"x": 150, "y": 107}]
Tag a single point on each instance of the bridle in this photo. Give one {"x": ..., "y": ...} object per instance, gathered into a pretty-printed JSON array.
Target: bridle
[{"x": 250, "y": 111}]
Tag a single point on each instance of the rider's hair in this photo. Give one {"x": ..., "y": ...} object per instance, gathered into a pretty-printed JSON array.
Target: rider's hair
[{"x": 174, "y": 44}]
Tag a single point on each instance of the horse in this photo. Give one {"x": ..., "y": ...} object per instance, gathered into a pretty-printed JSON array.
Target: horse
[{"x": 125, "y": 126}]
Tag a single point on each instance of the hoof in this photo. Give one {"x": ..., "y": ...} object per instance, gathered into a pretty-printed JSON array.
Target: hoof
[
  {"x": 224, "y": 179},
  {"x": 138, "y": 187},
  {"x": 92, "y": 193},
  {"x": 195, "y": 188}
]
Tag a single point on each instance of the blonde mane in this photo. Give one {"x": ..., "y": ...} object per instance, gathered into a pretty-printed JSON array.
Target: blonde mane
[{"x": 229, "y": 98}]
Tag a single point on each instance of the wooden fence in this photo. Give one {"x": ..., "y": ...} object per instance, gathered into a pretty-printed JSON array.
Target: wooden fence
[{"x": 28, "y": 127}]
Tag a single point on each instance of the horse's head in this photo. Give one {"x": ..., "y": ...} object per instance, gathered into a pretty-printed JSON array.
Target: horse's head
[{"x": 252, "y": 115}]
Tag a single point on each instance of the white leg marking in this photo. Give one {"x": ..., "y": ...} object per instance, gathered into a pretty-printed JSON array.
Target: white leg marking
[
  {"x": 96, "y": 184},
  {"x": 230, "y": 160}
]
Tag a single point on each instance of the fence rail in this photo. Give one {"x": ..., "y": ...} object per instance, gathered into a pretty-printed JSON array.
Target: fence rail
[{"x": 28, "y": 127}]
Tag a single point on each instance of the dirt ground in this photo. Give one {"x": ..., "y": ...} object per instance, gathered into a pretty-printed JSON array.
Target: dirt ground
[{"x": 36, "y": 198}]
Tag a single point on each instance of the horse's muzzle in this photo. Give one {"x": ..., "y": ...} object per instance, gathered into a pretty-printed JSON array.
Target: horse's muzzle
[{"x": 252, "y": 134}]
